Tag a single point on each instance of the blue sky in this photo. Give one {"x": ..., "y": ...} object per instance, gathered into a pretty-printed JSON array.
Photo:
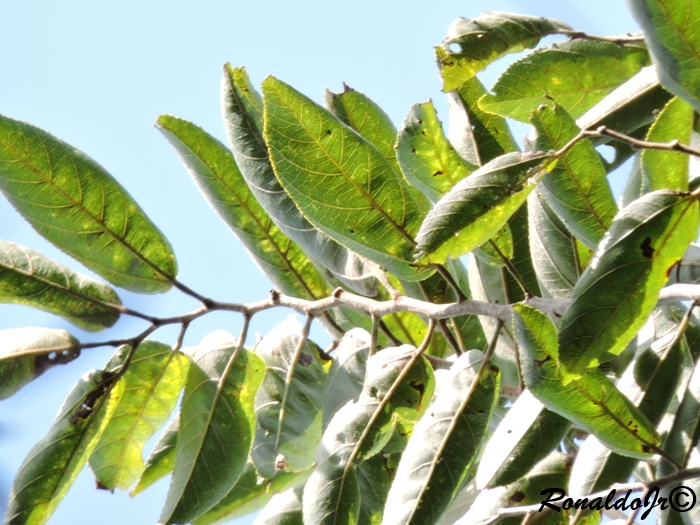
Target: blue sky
[{"x": 98, "y": 77}]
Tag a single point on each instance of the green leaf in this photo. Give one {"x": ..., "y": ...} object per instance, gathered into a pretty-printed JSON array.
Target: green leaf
[
  {"x": 620, "y": 286},
  {"x": 243, "y": 119},
  {"x": 151, "y": 387},
  {"x": 54, "y": 462},
  {"x": 427, "y": 159},
  {"x": 30, "y": 278},
  {"x": 443, "y": 448},
  {"x": 26, "y": 353},
  {"x": 669, "y": 169},
  {"x": 672, "y": 32},
  {"x": 592, "y": 401},
  {"x": 358, "y": 111},
  {"x": 361, "y": 429},
  {"x": 288, "y": 403},
  {"x": 577, "y": 187},
  {"x": 477, "y": 207},
  {"x": 249, "y": 495},
  {"x": 478, "y": 136},
  {"x": 555, "y": 254},
  {"x": 215, "y": 172},
  {"x": 73, "y": 202},
  {"x": 526, "y": 435},
  {"x": 576, "y": 74},
  {"x": 340, "y": 182},
  {"x": 161, "y": 460},
  {"x": 216, "y": 427},
  {"x": 473, "y": 43}
]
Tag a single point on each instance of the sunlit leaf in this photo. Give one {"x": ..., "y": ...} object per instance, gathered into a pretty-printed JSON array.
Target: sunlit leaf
[
  {"x": 577, "y": 188},
  {"x": 30, "y": 278},
  {"x": 576, "y": 74},
  {"x": 161, "y": 460},
  {"x": 216, "y": 427},
  {"x": 672, "y": 32},
  {"x": 151, "y": 388},
  {"x": 26, "y": 353},
  {"x": 526, "y": 435},
  {"x": 443, "y": 448},
  {"x": 288, "y": 403},
  {"x": 591, "y": 401},
  {"x": 283, "y": 509},
  {"x": 473, "y": 43},
  {"x": 215, "y": 172},
  {"x": 243, "y": 118},
  {"x": 620, "y": 286},
  {"x": 477, "y": 207},
  {"x": 54, "y": 462},
  {"x": 340, "y": 182},
  {"x": 669, "y": 169},
  {"x": 73, "y": 202},
  {"x": 427, "y": 159}
]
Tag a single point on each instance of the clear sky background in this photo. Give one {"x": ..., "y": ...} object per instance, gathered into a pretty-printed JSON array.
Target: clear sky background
[{"x": 98, "y": 74}]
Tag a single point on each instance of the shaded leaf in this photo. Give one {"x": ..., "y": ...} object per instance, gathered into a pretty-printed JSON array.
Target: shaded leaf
[
  {"x": 161, "y": 460},
  {"x": 73, "y": 202},
  {"x": 669, "y": 169},
  {"x": 340, "y": 182},
  {"x": 215, "y": 172},
  {"x": 672, "y": 32},
  {"x": 284, "y": 509},
  {"x": 477, "y": 207},
  {"x": 361, "y": 429},
  {"x": 620, "y": 286},
  {"x": 30, "y": 278},
  {"x": 216, "y": 427},
  {"x": 427, "y": 159},
  {"x": 288, "y": 403},
  {"x": 151, "y": 387},
  {"x": 26, "y": 353},
  {"x": 54, "y": 462},
  {"x": 442, "y": 450},
  {"x": 592, "y": 401},
  {"x": 250, "y": 494},
  {"x": 473, "y": 43},
  {"x": 526, "y": 435},
  {"x": 576, "y": 188},
  {"x": 242, "y": 108},
  {"x": 576, "y": 74},
  {"x": 555, "y": 253}
]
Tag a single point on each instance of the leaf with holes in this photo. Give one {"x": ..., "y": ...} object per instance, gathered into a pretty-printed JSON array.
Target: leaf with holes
[
  {"x": 341, "y": 183},
  {"x": 669, "y": 169},
  {"x": 427, "y": 159},
  {"x": 151, "y": 388},
  {"x": 215, "y": 172},
  {"x": 443, "y": 448},
  {"x": 477, "y": 207},
  {"x": 361, "y": 429},
  {"x": 288, "y": 403},
  {"x": 26, "y": 353},
  {"x": 243, "y": 118},
  {"x": 73, "y": 202},
  {"x": 473, "y": 43},
  {"x": 30, "y": 278},
  {"x": 216, "y": 427},
  {"x": 672, "y": 32},
  {"x": 54, "y": 462},
  {"x": 591, "y": 401},
  {"x": 576, "y": 74},
  {"x": 577, "y": 188},
  {"x": 620, "y": 287}
]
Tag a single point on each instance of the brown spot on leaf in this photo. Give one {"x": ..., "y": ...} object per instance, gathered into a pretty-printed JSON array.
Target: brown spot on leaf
[
  {"x": 438, "y": 172},
  {"x": 647, "y": 249}
]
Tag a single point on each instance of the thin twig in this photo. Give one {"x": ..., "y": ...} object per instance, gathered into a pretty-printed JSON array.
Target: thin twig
[{"x": 619, "y": 40}]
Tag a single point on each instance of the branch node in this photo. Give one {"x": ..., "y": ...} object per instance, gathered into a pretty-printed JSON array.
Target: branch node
[
  {"x": 274, "y": 296},
  {"x": 337, "y": 293}
]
